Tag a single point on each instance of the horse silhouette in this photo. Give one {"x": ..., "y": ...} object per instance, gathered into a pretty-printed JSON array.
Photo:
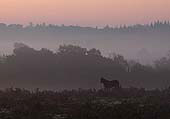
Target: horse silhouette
[{"x": 110, "y": 84}]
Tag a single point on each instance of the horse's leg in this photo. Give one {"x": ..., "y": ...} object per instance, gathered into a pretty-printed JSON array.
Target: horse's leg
[{"x": 120, "y": 86}]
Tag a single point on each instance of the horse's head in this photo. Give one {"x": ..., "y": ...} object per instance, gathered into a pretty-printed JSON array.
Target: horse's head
[{"x": 102, "y": 80}]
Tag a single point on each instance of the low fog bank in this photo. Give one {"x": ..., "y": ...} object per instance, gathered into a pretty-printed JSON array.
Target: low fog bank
[{"x": 144, "y": 43}]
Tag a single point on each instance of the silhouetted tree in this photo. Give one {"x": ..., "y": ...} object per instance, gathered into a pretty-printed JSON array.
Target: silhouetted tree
[{"x": 94, "y": 52}]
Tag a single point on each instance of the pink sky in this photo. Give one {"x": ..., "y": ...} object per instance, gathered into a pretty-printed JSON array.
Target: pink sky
[{"x": 84, "y": 12}]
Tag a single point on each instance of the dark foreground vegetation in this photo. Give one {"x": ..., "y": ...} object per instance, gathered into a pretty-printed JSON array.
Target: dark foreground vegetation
[{"x": 129, "y": 103}]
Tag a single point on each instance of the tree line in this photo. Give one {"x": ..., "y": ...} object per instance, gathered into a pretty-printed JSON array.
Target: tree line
[
  {"x": 156, "y": 26},
  {"x": 76, "y": 67}
]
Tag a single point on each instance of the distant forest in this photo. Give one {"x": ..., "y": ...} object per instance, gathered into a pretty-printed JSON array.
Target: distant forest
[
  {"x": 76, "y": 67},
  {"x": 157, "y": 26}
]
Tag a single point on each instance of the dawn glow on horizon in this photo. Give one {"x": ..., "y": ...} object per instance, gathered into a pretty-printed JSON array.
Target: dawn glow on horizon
[{"x": 84, "y": 12}]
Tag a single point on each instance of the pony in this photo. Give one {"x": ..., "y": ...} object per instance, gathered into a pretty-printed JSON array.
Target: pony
[{"x": 110, "y": 84}]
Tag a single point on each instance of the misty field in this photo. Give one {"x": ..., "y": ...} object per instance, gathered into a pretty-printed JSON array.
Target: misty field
[{"x": 131, "y": 89}]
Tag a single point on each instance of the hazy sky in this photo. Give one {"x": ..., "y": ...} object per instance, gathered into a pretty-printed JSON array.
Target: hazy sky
[{"x": 84, "y": 12}]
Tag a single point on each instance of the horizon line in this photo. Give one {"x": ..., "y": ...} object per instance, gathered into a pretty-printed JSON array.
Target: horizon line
[{"x": 95, "y": 26}]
